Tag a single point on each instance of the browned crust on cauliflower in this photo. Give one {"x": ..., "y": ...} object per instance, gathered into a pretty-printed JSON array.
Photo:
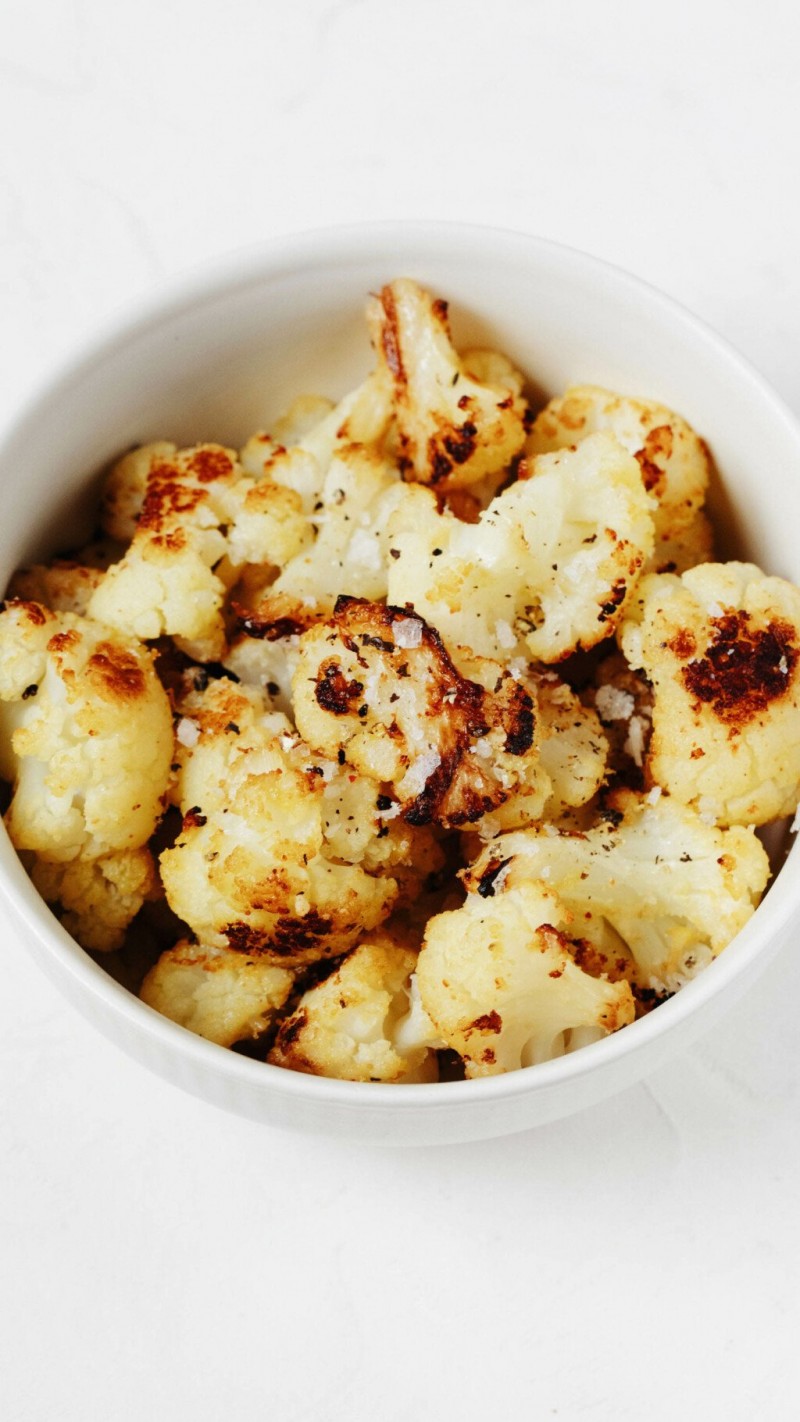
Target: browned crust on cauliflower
[
  {"x": 744, "y": 668},
  {"x": 368, "y": 649},
  {"x": 451, "y": 428}
]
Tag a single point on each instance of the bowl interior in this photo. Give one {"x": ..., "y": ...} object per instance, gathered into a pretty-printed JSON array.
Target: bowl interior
[{"x": 218, "y": 358}]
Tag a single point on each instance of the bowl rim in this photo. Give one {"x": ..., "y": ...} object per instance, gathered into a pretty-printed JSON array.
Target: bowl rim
[{"x": 218, "y": 278}]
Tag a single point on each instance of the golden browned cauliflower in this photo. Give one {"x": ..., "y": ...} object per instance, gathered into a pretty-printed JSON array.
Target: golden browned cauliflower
[
  {"x": 198, "y": 510},
  {"x": 86, "y": 735},
  {"x": 676, "y": 890},
  {"x": 282, "y": 855},
  {"x": 351, "y": 1025},
  {"x": 453, "y": 429},
  {"x": 499, "y": 980},
  {"x": 376, "y": 686},
  {"x": 673, "y": 460},
  {"x": 721, "y": 646},
  {"x": 547, "y": 569},
  {"x": 223, "y": 995},
  {"x": 125, "y": 488}
]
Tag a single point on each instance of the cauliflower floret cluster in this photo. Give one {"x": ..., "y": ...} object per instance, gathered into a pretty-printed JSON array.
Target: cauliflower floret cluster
[
  {"x": 223, "y": 995},
  {"x": 275, "y": 854},
  {"x": 355, "y": 1024},
  {"x": 172, "y": 578},
  {"x": 377, "y": 686},
  {"x": 86, "y": 735},
  {"x": 452, "y": 427},
  {"x": 674, "y": 462},
  {"x": 548, "y": 568},
  {"x": 674, "y": 889},
  {"x": 420, "y": 737},
  {"x": 721, "y": 647},
  {"x": 502, "y": 986}
]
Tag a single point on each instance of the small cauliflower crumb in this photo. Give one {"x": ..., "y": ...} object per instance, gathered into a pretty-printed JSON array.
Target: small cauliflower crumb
[{"x": 613, "y": 704}]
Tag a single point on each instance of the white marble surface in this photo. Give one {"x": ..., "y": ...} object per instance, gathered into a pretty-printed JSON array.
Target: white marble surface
[{"x": 160, "y": 1259}]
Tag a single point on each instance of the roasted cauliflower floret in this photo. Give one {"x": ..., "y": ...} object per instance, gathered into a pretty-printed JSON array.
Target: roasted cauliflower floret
[
  {"x": 676, "y": 890},
  {"x": 376, "y": 686},
  {"x": 721, "y": 646},
  {"x": 62, "y": 586},
  {"x": 500, "y": 983},
  {"x": 125, "y": 488},
  {"x": 452, "y": 428},
  {"x": 218, "y": 993},
  {"x": 294, "y": 468},
  {"x": 99, "y": 898},
  {"x": 350, "y": 552},
  {"x": 573, "y": 749},
  {"x": 350, "y": 1025},
  {"x": 199, "y": 510},
  {"x": 86, "y": 735},
  {"x": 301, "y": 445},
  {"x": 66, "y": 584},
  {"x": 548, "y": 568},
  {"x": 266, "y": 861},
  {"x": 261, "y": 657},
  {"x": 673, "y": 460},
  {"x": 685, "y": 549}
]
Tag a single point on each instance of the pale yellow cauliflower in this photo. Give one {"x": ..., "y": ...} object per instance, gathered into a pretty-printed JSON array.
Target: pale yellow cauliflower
[
  {"x": 376, "y": 686},
  {"x": 500, "y": 984},
  {"x": 673, "y": 460},
  {"x": 99, "y": 898},
  {"x": 87, "y": 737},
  {"x": 298, "y": 450},
  {"x": 721, "y": 646},
  {"x": 452, "y": 429},
  {"x": 676, "y": 890},
  {"x": 64, "y": 586},
  {"x": 349, "y": 554},
  {"x": 566, "y": 765},
  {"x": 265, "y": 655},
  {"x": 547, "y": 569},
  {"x": 351, "y": 1025},
  {"x": 200, "y": 517},
  {"x": 281, "y": 855},
  {"x": 684, "y": 549},
  {"x": 573, "y": 749},
  {"x": 223, "y": 995}
]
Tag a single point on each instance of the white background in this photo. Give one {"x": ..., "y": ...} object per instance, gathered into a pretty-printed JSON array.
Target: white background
[{"x": 159, "y": 1258}]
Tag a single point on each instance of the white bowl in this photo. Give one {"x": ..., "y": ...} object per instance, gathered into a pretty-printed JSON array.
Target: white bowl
[{"x": 216, "y": 356}]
